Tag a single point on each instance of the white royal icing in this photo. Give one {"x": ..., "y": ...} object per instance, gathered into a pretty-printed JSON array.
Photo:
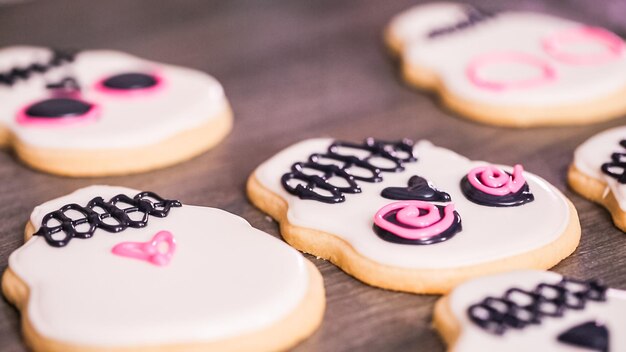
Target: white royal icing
[
  {"x": 543, "y": 336},
  {"x": 488, "y": 234},
  {"x": 225, "y": 279},
  {"x": 521, "y": 32},
  {"x": 189, "y": 98},
  {"x": 597, "y": 150}
]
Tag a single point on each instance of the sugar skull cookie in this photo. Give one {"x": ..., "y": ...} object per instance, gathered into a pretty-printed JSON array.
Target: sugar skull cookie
[
  {"x": 415, "y": 218},
  {"x": 115, "y": 269},
  {"x": 532, "y": 311},
  {"x": 598, "y": 172},
  {"x": 511, "y": 68},
  {"x": 93, "y": 113}
]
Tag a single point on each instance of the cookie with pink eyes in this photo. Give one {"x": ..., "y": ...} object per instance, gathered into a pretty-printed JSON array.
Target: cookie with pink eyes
[
  {"x": 116, "y": 269},
  {"x": 412, "y": 217},
  {"x": 532, "y": 310},
  {"x": 515, "y": 69},
  {"x": 100, "y": 112},
  {"x": 598, "y": 172}
]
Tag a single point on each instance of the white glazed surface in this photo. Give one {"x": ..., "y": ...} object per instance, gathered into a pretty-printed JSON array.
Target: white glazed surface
[
  {"x": 597, "y": 150},
  {"x": 520, "y": 32},
  {"x": 225, "y": 279},
  {"x": 489, "y": 233},
  {"x": 189, "y": 99},
  {"x": 541, "y": 337}
]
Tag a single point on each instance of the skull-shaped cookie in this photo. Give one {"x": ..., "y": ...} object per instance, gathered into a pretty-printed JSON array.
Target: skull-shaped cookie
[
  {"x": 512, "y": 68},
  {"x": 98, "y": 112},
  {"x": 111, "y": 268},
  {"x": 414, "y": 218},
  {"x": 532, "y": 310}
]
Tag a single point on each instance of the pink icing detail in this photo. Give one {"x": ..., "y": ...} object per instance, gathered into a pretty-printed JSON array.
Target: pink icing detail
[
  {"x": 548, "y": 73},
  {"x": 24, "y": 119},
  {"x": 495, "y": 181},
  {"x": 131, "y": 93},
  {"x": 430, "y": 224},
  {"x": 149, "y": 251},
  {"x": 613, "y": 44}
]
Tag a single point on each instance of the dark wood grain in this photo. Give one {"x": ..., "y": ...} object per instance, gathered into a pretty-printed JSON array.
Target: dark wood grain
[{"x": 295, "y": 70}]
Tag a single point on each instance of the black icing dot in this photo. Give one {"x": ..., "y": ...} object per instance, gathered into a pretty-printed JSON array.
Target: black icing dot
[
  {"x": 130, "y": 81},
  {"x": 58, "y": 107}
]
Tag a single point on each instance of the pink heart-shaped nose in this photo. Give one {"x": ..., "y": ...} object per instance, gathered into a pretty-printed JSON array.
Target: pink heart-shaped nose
[{"x": 150, "y": 251}]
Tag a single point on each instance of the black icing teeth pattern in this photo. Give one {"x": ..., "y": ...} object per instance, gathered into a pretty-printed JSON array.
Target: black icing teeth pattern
[
  {"x": 518, "y": 308},
  {"x": 616, "y": 168},
  {"x": 418, "y": 189},
  {"x": 15, "y": 74},
  {"x": 148, "y": 203},
  {"x": 473, "y": 16},
  {"x": 321, "y": 169}
]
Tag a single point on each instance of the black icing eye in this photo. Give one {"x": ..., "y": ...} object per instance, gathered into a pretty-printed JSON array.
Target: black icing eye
[
  {"x": 58, "y": 108},
  {"x": 130, "y": 81}
]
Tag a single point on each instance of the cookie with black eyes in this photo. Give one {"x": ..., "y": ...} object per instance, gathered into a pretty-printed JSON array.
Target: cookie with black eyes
[
  {"x": 532, "y": 310},
  {"x": 97, "y": 113},
  {"x": 115, "y": 269},
  {"x": 522, "y": 69},
  {"x": 598, "y": 172},
  {"x": 412, "y": 216}
]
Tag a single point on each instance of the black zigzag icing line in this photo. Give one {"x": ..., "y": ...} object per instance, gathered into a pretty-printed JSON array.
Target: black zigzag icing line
[
  {"x": 317, "y": 186},
  {"x": 518, "y": 308},
  {"x": 15, "y": 74},
  {"x": 96, "y": 220}
]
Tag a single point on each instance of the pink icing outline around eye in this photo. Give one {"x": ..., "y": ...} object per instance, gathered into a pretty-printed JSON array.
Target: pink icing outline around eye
[
  {"x": 92, "y": 115},
  {"x": 613, "y": 44},
  {"x": 149, "y": 251},
  {"x": 408, "y": 214},
  {"x": 131, "y": 93},
  {"x": 548, "y": 73},
  {"x": 496, "y": 181}
]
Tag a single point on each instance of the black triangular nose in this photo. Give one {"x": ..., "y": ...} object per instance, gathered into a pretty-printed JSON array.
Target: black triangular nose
[
  {"x": 58, "y": 107},
  {"x": 591, "y": 335}
]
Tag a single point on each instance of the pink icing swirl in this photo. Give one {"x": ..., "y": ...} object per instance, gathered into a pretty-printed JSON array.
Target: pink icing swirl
[
  {"x": 151, "y": 251},
  {"x": 495, "y": 181},
  {"x": 423, "y": 219},
  {"x": 547, "y": 72},
  {"x": 613, "y": 45}
]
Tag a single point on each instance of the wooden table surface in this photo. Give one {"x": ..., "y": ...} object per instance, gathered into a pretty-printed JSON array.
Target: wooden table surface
[{"x": 294, "y": 70}]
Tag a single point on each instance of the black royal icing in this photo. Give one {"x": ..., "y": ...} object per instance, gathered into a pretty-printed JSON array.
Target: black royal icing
[
  {"x": 130, "y": 81},
  {"x": 590, "y": 335},
  {"x": 473, "y": 16},
  {"x": 390, "y": 151},
  {"x": 618, "y": 162},
  {"x": 498, "y": 314},
  {"x": 58, "y": 108},
  {"x": 141, "y": 202},
  {"x": 418, "y": 189}
]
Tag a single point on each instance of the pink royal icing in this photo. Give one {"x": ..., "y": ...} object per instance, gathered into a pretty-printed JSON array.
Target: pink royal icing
[
  {"x": 614, "y": 46},
  {"x": 150, "y": 251},
  {"x": 472, "y": 72},
  {"x": 423, "y": 216},
  {"x": 495, "y": 181}
]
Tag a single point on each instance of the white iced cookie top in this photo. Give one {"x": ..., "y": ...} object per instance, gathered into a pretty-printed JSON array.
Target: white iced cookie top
[
  {"x": 224, "y": 279},
  {"x": 182, "y": 99},
  {"x": 598, "y": 150},
  {"x": 511, "y": 58},
  {"x": 488, "y": 233},
  {"x": 543, "y": 336}
]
